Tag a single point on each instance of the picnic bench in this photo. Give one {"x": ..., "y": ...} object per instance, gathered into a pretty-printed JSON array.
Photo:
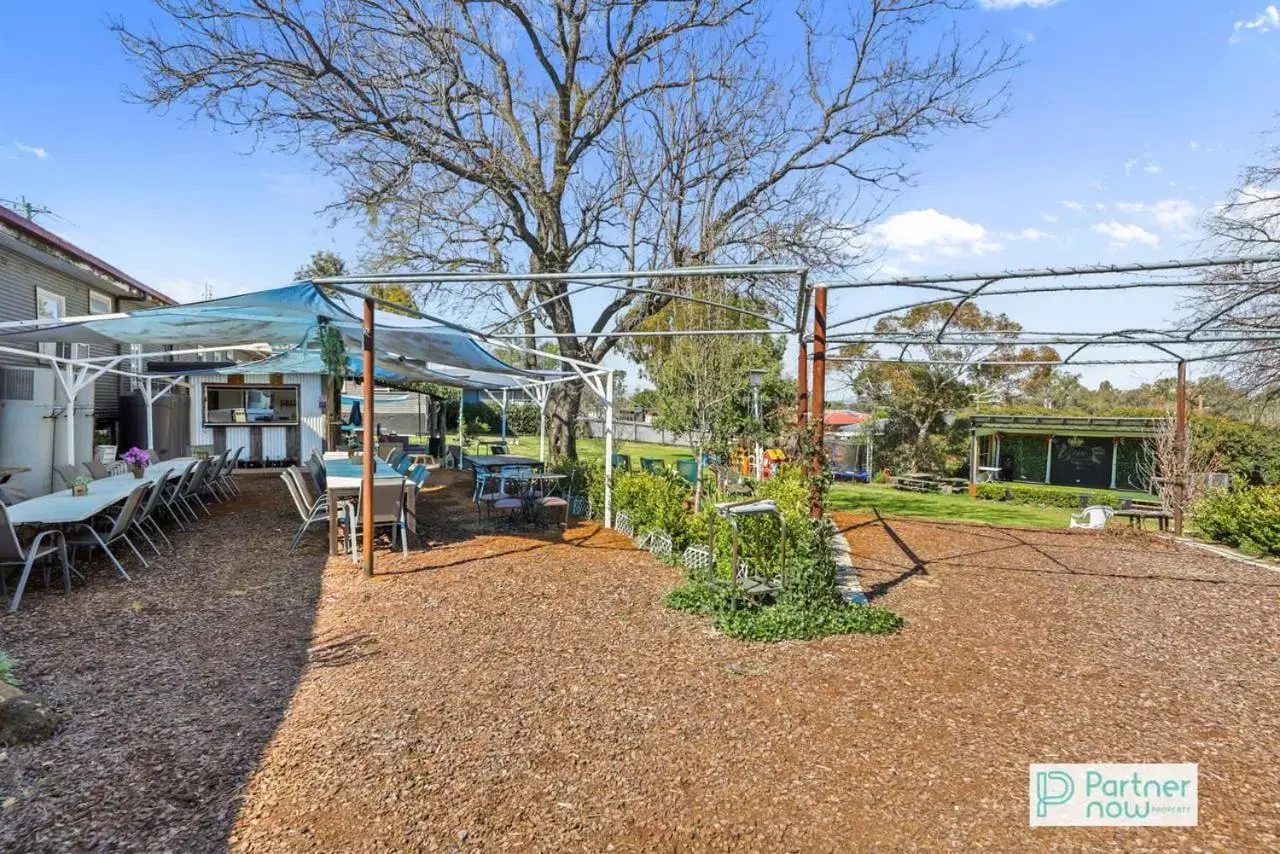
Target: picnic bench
[{"x": 916, "y": 483}]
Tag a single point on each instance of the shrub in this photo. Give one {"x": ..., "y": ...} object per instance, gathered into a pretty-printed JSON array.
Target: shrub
[
  {"x": 655, "y": 501},
  {"x": 522, "y": 419},
  {"x": 1248, "y": 519},
  {"x": 6, "y": 669},
  {"x": 1049, "y": 496}
]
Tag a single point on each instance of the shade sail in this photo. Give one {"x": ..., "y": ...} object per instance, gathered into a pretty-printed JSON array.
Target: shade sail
[
  {"x": 280, "y": 317},
  {"x": 307, "y": 360}
]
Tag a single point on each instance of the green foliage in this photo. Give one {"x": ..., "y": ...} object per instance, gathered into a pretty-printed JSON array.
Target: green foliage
[
  {"x": 523, "y": 419},
  {"x": 656, "y": 501},
  {"x": 1248, "y": 518},
  {"x": 1028, "y": 454},
  {"x": 7, "y": 665},
  {"x": 1047, "y": 496},
  {"x": 583, "y": 477},
  {"x": 1240, "y": 446},
  {"x": 333, "y": 351},
  {"x": 323, "y": 265},
  {"x": 739, "y": 618}
]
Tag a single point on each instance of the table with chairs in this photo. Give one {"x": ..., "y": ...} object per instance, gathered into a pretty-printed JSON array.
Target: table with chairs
[
  {"x": 338, "y": 498},
  {"x": 518, "y": 493},
  {"x": 118, "y": 511}
]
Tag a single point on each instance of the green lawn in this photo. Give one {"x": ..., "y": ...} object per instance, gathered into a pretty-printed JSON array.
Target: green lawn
[
  {"x": 929, "y": 505},
  {"x": 588, "y": 449}
]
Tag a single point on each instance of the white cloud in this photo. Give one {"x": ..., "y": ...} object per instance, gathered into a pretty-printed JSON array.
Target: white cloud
[
  {"x": 1267, "y": 20},
  {"x": 922, "y": 232},
  {"x": 1122, "y": 234},
  {"x": 1128, "y": 166},
  {"x": 1049, "y": 217},
  {"x": 1194, "y": 145},
  {"x": 1032, "y": 234},
  {"x": 1002, "y": 5},
  {"x": 1072, "y": 206},
  {"x": 1100, "y": 186},
  {"x": 1169, "y": 214},
  {"x": 34, "y": 150},
  {"x": 1153, "y": 168}
]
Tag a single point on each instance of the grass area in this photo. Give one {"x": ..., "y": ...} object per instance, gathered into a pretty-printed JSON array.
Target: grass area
[
  {"x": 929, "y": 505},
  {"x": 588, "y": 449}
]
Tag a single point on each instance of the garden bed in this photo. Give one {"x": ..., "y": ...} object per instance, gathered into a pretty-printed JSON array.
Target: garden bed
[{"x": 511, "y": 691}]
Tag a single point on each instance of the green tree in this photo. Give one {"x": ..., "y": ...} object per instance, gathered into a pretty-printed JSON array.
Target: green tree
[
  {"x": 919, "y": 398},
  {"x": 323, "y": 265}
]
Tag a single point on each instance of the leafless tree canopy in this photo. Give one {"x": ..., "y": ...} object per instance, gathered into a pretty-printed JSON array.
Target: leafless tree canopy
[
  {"x": 548, "y": 135},
  {"x": 1248, "y": 223}
]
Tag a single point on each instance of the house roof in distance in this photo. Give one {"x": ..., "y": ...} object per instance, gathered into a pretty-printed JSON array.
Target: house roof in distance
[{"x": 11, "y": 221}]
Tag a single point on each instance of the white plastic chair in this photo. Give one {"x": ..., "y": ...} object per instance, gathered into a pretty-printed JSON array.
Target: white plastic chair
[{"x": 1092, "y": 518}]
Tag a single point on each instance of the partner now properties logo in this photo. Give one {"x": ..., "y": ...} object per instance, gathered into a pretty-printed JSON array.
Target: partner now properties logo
[{"x": 1114, "y": 794}]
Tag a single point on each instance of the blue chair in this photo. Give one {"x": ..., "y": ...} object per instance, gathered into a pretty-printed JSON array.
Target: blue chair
[
  {"x": 419, "y": 476},
  {"x": 403, "y": 464}
]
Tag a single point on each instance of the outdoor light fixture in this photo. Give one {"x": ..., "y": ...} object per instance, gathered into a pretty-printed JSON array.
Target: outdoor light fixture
[{"x": 755, "y": 378}]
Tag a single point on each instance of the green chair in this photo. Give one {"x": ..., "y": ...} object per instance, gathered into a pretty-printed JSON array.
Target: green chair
[
  {"x": 652, "y": 465},
  {"x": 687, "y": 468},
  {"x": 622, "y": 462}
]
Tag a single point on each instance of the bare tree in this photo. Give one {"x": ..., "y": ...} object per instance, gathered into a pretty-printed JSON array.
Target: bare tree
[
  {"x": 1175, "y": 473},
  {"x": 543, "y": 135},
  {"x": 1247, "y": 297}
]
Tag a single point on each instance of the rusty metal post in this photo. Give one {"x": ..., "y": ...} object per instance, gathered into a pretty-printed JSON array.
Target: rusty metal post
[
  {"x": 1180, "y": 450},
  {"x": 366, "y": 487},
  {"x": 818, "y": 391}
]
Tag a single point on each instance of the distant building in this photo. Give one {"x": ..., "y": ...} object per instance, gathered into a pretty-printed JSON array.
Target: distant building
[{"x": 1087, "y": 451}]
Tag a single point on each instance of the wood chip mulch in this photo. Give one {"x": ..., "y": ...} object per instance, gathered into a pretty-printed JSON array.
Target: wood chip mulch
[{"x": 518, "y": 691}]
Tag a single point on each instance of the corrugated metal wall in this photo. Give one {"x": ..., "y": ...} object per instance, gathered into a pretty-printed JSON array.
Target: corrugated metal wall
[{"x": 274, "y": 440}]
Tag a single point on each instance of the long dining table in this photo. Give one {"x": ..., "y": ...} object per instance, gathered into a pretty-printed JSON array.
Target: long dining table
[{"x": 65, "y": 508}]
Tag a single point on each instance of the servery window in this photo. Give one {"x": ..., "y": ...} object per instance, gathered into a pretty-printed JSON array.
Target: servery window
[{"x": 228, "y": 405}]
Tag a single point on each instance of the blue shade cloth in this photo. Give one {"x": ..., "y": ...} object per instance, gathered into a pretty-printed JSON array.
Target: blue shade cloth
[{"x": 280, "y": 317}]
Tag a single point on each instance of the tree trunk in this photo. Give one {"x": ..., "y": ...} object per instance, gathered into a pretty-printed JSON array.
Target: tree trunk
[{"x": 562, "y": 417}]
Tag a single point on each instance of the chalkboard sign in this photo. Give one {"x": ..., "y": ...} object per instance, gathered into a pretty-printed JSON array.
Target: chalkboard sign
[{"x": 1080, "y": 461}]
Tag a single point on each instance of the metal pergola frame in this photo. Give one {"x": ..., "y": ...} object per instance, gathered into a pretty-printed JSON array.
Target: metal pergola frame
[{"x": 1178, "y": 346}]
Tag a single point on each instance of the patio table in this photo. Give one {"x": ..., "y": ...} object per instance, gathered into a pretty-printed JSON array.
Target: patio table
[
  {"x": 62, "y": 508},
  {"x": 342, "y": 481},
  {"x": 1137, "y": 518}
]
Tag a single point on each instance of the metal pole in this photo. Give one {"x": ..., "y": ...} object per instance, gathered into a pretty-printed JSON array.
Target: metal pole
[
  {"x": 819, "y": 389},
  {"x": 755, "y": 414},
  {"x": 366, "y": 483},
  {"x": 1180, "y": 450},
  {"x": 973, "y": 464},
  {"x": 504, "y": 416},
  {"x": 151, "y": 419},
  {"x": 71, "y": 421},
  {"x": 608, "y": 450},
  {"x": 542, "y": 425},
  {"x": 1048, "y": 458}
]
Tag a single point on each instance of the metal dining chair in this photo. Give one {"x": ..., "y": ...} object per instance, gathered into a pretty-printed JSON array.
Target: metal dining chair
[
  {"x": 419, "y": 476},
  {"x": 97, "y": 470},
  {"x": 171, "y": 496},
  {"x": 68, "y": 474},
  {"x": 90, "y": 537},
  {"x": 403, "y": 464},
  {"x": 45, "y": 544},
  {"x": 388, "y": 512},
  {"x": 145, "y": 516}
]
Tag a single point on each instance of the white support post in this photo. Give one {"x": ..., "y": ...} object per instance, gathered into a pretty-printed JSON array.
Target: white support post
[
  {"x": 504, "y": 416},
  {"x": 608, "y": 450},
  {"x": 542, "y": 423},
  {"x": 151, "y": 419}
]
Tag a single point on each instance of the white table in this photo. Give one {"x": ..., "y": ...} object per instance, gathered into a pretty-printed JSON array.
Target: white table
[{"x": 61, "y": 507}]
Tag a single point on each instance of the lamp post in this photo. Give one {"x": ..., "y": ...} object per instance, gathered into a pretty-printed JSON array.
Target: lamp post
[{"x": 755, "y": 379}]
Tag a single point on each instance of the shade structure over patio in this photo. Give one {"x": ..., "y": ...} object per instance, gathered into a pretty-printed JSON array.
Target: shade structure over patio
[{"x": 286, "y": 320}]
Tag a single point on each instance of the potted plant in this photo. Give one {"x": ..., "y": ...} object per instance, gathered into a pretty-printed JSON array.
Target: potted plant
[
  {"x": 80, "y": 486},
  {"x": 137, "y": 460}
]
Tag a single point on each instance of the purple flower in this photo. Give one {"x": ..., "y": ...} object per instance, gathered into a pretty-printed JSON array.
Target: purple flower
[{"x": 136, "y": 457}]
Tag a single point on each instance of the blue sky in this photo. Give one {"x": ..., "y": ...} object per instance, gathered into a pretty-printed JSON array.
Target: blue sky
[{"x": 1127, "y": 119}]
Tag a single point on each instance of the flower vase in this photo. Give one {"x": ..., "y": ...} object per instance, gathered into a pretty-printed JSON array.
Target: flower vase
[
  {"x": 137, "y": 471},
  {"x": 79, "y": 490}
]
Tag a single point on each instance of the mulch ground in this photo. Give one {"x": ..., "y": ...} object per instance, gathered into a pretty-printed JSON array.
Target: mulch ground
[{"x": 531, "y": 692}]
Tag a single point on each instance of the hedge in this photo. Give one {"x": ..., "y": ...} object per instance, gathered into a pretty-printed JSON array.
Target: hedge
[
  {"x": 1049, "y": 496},
  {"x": 1248, "y": 519}
]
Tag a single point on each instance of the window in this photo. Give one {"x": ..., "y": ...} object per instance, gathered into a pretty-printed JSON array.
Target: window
[
  {"x": 100, "y": 303},
  {"x": 228, "y": 405},
  {"x": 51, "y": 306}
]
